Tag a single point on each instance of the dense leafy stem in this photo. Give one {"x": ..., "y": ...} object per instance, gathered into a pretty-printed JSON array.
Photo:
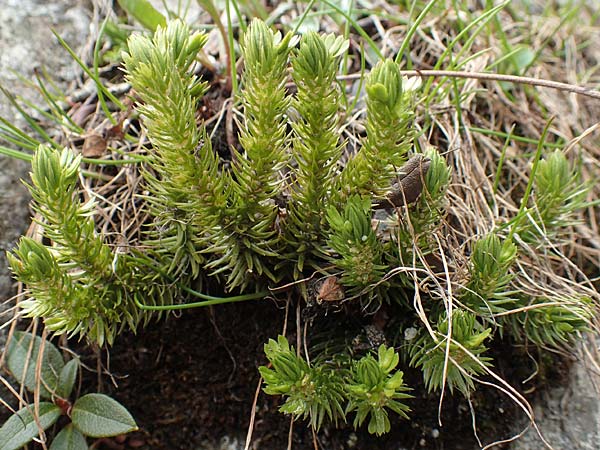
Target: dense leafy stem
[
  {"x": 458, "y": 352},
  {"x": 559, "y": 193},
  {"x": 550, "y": 322},
  {"x": 313, "y": 392},
  {"x": 75, "y": 284},
  {"x": 256, "y": 170},
  {"x": 389, "y": 135},
  {"x": 355, "y": 241},
  {"x": 368, "y": 386},
  {"x": 374, "y": 387},
  {"x": 488, "y": 290},
  {"x": 316, "y": 144},
  {"x": 186, "y": 191},
  {"x": 417, "y": 230}
]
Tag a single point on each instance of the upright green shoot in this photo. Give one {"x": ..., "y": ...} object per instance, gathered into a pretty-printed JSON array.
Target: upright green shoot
[
  {"x": 389, "y": 135},
  {"x": 316, "y": 144},
  {"x": 256, "y": 171}
]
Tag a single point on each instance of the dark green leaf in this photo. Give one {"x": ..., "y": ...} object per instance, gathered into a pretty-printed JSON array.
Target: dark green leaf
[
  {"x": 70, "y": 438},
  {"x": 67, "y": 378},
  {"x": 21, "y": 427},
  {"x": 97, "y": 415},
  {"x": 17, "y": 359}
]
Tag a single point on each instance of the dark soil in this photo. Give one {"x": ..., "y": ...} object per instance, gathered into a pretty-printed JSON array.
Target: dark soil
[{"x": 189, "y": 381}]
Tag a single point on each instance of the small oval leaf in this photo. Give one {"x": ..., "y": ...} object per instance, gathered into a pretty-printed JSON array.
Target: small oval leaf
[
  {"x": 69, "y": 438},
  {"x": 21, "y": 427},
  {"x": 17, "y": 359},
  {"x": 67, "y": 377},
  {"x": 98, "y": 415}
]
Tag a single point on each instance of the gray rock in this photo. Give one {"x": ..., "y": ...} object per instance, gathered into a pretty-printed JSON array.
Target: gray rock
[
  {"x": 27, "y": 44},
  {"x": 568, "y": 416}
]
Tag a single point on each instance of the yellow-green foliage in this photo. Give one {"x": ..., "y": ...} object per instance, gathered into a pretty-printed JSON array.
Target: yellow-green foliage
[{"x": 284, "y": 209}]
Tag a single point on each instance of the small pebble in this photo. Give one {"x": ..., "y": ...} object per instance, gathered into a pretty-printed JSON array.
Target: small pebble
[{"x": 410, "y": 333}]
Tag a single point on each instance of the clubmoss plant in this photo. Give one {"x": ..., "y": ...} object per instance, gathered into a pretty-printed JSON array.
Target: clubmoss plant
[
  {"x": 388, "y": 139},
  {"x": 316, "y": 144},
  {"x": 182, "y": 178},
  {"x": 312, "y": 392},
  {"x": 290, "y": 205},
  {"x": 550, "y": 322},
  {"x": 358, "y": 248},
  {"x": 369, "y": 386},
  {"x": 452, "y": 356},
  {"x": 487, "y": 292},
  {"x": 374, "y": 387},
  {"x": 75, "y": 283},
  {"x": 417, "y": 225},
  {"x": 559, "y": 193},
  {"x": 256, "y": 171}
]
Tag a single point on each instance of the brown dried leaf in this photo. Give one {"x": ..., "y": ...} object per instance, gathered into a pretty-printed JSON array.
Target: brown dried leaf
[
  {"x": 330, "y": 290},
  {"x": 409, "y": 185},
  {"x": 94, "y": 146}
]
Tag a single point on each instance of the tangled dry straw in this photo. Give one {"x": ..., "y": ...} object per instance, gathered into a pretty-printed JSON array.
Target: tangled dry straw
[{"x": 474, "y": 134}]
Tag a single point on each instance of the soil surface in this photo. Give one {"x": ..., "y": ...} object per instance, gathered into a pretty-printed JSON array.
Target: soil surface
[{"x": 190, "y": 382}]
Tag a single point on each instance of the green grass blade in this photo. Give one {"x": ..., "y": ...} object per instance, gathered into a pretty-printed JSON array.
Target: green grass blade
[
  {"x": 58, "y": 114},
  {"x": 412, "y": 30},
  {"x": 479, "y": 22},
  {"x": 144, "y": 13},
  {"x": 15, "y": 135},
  {"x": 515, "y": 137},
  {"x": 89, "y": 73},
  {"x": 30, "y": 120},
  {"x": 501, "y": 160},
  {"x": 16, "y": 154},
  {"x": 100, "y": 93},
  {"x": 523, "y": 207}
]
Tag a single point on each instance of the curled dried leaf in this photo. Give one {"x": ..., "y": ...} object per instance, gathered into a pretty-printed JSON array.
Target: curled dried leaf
[
  {"x": 408, "y": 187},
  {"x": 94, "y": 146},
  {"x": 329, "y": 290}
]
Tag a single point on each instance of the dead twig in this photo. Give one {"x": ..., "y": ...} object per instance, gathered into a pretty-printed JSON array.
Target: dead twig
[{"x": 580, "y": 90}]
